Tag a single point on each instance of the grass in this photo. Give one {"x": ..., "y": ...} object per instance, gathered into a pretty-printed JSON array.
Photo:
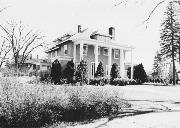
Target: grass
[{"x": 29, "y": 105}]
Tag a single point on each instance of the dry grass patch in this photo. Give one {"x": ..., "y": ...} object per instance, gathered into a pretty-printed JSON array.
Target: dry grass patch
[{"x": 25, "y": 105}]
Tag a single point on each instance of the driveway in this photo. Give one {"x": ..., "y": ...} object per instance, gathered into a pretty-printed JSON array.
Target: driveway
[{"x": 152, "y": 107}]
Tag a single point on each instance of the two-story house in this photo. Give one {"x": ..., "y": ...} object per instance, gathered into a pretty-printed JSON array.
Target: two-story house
[{"x": 93, "y": 47}]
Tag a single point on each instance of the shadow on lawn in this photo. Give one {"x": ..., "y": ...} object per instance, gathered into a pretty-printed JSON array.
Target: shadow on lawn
[{"x": 125, "y": 114}]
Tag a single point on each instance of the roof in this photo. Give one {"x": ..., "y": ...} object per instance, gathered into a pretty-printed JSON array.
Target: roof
[{"x": 85, "y": 34}]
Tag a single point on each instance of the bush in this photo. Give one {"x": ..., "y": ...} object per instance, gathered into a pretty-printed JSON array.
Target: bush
[
  {"x": 56, "y": 72},
  {"x": 69, "y": 72},
  {"x": 118, "y": 82},
  {"x": 139, "y": 73},
  {"x": 99, "y": 71},
  {"x": 26, "y": 106},
  {"x": 99, "y": 81},
  {"x": 114, "y": 71},
  {"x": 123, "y": 82},
  {"x": 44, "y": 76},
  {"x": 81, "y": 73}
]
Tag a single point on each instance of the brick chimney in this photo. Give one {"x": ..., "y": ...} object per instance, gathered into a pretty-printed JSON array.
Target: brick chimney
[
  {"x": 79, "y": 28},
  {"x": 112, "y": 32}
]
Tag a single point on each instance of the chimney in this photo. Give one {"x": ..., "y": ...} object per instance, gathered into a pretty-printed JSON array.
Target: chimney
[
  {"x": 112, "y": 32},
  {"x": 79, "y": 28}
]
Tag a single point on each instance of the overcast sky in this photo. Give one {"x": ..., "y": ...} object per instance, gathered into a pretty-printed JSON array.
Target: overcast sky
[{"x": 56, "y": 17}]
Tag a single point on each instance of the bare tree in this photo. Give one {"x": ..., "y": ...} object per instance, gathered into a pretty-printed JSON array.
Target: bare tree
[
  {"x": 5, "y": 48},
  {"x": 153, "y": 10},
  {"x": 22, "y": 40}
]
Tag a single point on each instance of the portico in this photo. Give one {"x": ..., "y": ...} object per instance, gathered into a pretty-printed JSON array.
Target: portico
[{"x": 108, "y": 59}]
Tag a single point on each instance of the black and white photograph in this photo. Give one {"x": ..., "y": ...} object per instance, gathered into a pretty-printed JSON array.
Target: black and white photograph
[{"x": 89, "y": 63}]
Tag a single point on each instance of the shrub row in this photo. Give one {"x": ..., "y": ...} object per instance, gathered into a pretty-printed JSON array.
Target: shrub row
[
  {"x": 161, "y": 81},
  {"x": 117, "y": 82},
  {"x": 27, "y": 106}
]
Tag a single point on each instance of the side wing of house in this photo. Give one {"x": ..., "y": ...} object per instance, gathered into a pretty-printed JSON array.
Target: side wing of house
[{"x": 63, "y": 53}]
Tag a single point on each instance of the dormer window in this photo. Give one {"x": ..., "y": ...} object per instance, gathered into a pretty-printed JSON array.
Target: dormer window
[{"x": 65, "y": 49}]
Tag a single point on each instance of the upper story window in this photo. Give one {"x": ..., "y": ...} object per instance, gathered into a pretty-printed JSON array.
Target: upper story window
[
  {"x": 65, "y": 49},
  {"x": 53, "y": 53},
  {"x": 105, "y": 51},
  {"x": 116, "y": 54},
  {"x": 98, "y": 50},
  {"x": 85, "y": 49},
  {"x": 58, "y": 52},
  {"x": 49, "y": 55}
]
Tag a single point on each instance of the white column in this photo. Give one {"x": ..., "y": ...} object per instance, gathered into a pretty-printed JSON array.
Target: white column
[
  {"x": 96, "y": 56},
  {"x": 122, "y": 63},
  {"x": 81, "y": 51},
  {"x": 74, "y": 52},
  {"x": 109, "y": 61},
  {"x": 132, "y": 71}
]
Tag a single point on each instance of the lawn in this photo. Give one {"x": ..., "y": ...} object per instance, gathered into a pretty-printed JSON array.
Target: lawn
[{"x": 37, "y": 105}]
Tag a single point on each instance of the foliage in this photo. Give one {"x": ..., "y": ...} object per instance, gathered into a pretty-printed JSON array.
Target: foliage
[
  {"x": 81, "y": 72},
  {"x": 139, "y": 73},
  {"x": 44, "y": 76},
  {"x": 99, "y": 81},
  {"x": 170, "y": 34},
  {"x": 23, "y": 41},
  {"x": 123, "y": 82},
  {"x": 99, "y": 71},
  {"x": 114, "y": 71},
  {"x": 157, "y": 66},
  {"x": 69, "y": 71},
  {"x": 56, "y": 72},
  {"x": 5, "y": 49},
  {"x": 27, "y": 106}
]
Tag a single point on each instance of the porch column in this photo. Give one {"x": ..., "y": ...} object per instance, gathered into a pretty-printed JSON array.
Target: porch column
[
  {"x": 132, "y": 71},
  {"x": 96, "y": 56},
  {"x": 81, "y": 51},
  {"x": 74, "y": 52},
  {"x": 109, "y": 61},
  {"x": 122, "y": 63}
]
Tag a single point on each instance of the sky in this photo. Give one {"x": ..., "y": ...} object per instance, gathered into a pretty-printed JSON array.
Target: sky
[{"x": 54, "y": 18}]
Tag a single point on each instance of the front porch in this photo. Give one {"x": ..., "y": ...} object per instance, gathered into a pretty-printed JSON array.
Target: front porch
[{"x": 93, "y": 52}]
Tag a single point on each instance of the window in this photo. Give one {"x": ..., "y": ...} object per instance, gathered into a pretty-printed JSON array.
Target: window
[
  {"x": 49, "y": 55},
  {"x": 85, "y": 49},
  {"x": 65, "y": 49},
  {"x": 59, "y": 52},
  {"x": 116, "y": 54},
  {"x": 53, "y": 54},
  {"x": 98, "y": 50},
  {"x": 105, "y": 51},
  {"x": 38, "y": 67}
]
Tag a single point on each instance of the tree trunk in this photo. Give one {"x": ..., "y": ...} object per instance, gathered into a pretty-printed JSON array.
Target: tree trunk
[
  {"x": 173, "y": 60},
  {"x": 174, "y": 70},
  {"x": 179, "y": 55}
]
